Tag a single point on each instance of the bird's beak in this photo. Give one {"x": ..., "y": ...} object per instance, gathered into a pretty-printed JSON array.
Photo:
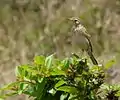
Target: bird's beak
[{"x": 70, "y": 19}]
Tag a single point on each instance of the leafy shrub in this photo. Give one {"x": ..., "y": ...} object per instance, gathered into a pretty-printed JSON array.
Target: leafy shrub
[{"x": 73, "y": 78}]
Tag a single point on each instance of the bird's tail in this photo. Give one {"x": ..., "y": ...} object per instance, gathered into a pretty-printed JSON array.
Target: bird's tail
[{"x": 94, "y": 61}]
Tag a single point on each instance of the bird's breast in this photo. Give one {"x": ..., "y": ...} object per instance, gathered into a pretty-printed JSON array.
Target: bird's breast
[{"x": 80, "y": 40}]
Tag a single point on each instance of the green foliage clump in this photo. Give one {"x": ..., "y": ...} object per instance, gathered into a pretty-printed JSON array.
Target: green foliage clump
[{"x": 73, "y": 78}]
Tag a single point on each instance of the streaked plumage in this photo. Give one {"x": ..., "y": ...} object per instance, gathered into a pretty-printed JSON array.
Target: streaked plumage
[{"x": 80, "y": 37}]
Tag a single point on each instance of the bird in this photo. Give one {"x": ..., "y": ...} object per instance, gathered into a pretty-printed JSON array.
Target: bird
[{"x": 82, "y": 38}]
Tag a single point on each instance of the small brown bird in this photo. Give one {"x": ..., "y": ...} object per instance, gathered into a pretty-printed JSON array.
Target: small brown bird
[{"x": 82, "y": 38}]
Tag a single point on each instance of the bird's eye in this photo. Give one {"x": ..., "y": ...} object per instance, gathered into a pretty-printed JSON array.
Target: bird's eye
[{"x": 76, "y": 20}]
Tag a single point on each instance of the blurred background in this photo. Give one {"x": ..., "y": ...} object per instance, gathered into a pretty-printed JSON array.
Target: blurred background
[{"x": 35, "y": 27}]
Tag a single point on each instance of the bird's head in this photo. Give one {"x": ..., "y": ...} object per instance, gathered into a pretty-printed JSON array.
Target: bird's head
[{"x": 75, "y": 20}]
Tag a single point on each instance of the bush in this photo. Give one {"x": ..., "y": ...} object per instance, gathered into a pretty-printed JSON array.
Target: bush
[{"x": 73, "y": 78}]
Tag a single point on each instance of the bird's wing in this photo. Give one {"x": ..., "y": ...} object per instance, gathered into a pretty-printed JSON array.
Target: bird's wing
[
  {"x": 85, "y": 32},
  {"x": 88, "y": 38},
  {"x": 90, "y": 45}
]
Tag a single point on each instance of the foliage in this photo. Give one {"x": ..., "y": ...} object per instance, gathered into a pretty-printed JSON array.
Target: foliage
[{"x": 73, "y": 78}]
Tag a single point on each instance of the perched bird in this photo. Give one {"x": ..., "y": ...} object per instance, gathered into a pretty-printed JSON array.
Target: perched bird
[{"x": 82, "y": 38}]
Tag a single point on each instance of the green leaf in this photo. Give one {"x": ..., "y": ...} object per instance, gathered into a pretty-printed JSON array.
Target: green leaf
[
  {"x": 49, "y": 61},
  {"x": 40, "y": 79},
  {"x": 29, "y": 69},
  {"x": 14, "y": 84},
  {"x": 59, "y": 83},
  {"x": 57, "y": 71},
  {"x": 118, "y": 94},
  {"x": 66, "y": 63},
  {"x": 9, "y": 86},
  {"x": 68, "y": 89},
  {"x": 39, "y": 60},
  {"x": 7, "y": 95},
  {"x": 109, "y": 64},
  {"x": 1, "y": 98},
  {"x": 40, "y": 87},
  {"x": 96, "y": 68},
  {"x": 19, "y": 71},
  {"x": 52, "y": 91},
  {"x": 22, "y": 88}
]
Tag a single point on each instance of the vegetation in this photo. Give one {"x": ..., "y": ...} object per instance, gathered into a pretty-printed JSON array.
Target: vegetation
[{"x": 74, "y": 78}]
